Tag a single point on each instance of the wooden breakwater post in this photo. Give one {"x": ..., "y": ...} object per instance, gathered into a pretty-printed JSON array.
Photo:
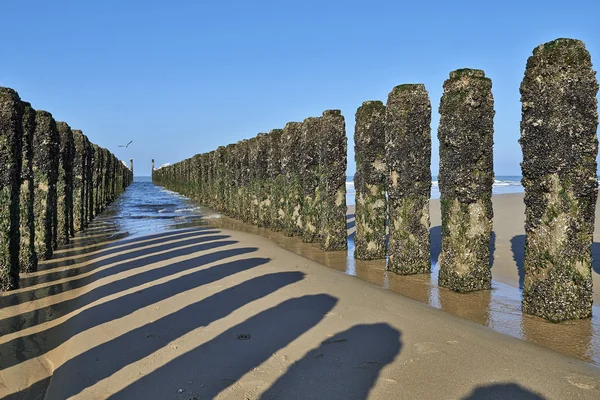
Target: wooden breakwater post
[
  {"x": 560, "y": 145},
  {"x": 466, "y": 177},
  {"x": 46, "y": 157},
  {"x": 78, "y": 221},
  {"x": 408, "y": 149},
  {"x": 11, "y": 143},
  {"x": 276, "y": 185},
  {"x": 27, "y": 256},
  {"x": 370, "y": 181},
  {"x": 64, "y": 185},
  {"x": 332, "y": 170},
  {"x": 291, "y": 159},
  {"x": 310, "y": 180},
  {"x": 89, "y": 181},
  {"x": 260, "y": 185}
]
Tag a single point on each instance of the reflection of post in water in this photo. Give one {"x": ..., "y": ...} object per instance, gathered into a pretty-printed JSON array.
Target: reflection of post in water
[
  {"x": 552, "y": 335},
  {"x": 474, "y": 306},
  {"x": 417, "y": 287}
]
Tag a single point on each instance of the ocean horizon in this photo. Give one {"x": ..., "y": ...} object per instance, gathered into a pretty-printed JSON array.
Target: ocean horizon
[{"x": 503, "y": 184}]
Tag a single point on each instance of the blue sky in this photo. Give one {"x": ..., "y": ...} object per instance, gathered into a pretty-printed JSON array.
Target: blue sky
[{"x": 184, "y": 77}]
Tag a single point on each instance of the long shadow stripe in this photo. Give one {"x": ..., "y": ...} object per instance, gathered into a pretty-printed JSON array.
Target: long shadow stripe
[
  {"x": 106, "y": 250},
  {"x": 104, "y": 360},
  {"x": 57, "y": 310},
  {"x": 53, "y": 276},
  {"x": 217, "y": 364},
  {"x": 26, "y": 347},
  {"x": 345, "y": 366},
  {"x": 177, "y": 250}
]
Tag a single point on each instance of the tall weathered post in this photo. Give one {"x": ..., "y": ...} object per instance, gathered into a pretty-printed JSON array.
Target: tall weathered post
[
  {"x": 79, "y": 161},
  {"x": 466, "y": 177},
  {"x": 27, "y": 257},
  {"x": 11, "y": 143},
  {"x": 276, "y": 183},
  {"x": 370, "y": 181},
  {"x": 310, "y": 179},
  {"x": 244, "y": 191},
  {"x": 131, "y": 165},
  {"x": 291, "y": 159},
  {"x": 408, "y": 148},
  {"x": 560, "y": 145},
  {"x": 332, "y": 166},
  {"x": 260, "y": 176},
  {"x": 46, "y": 157},
  {"x": 97, "y": 180},
  {"x": 65, "y": 184},
  {"x": 89, "y": 181}
]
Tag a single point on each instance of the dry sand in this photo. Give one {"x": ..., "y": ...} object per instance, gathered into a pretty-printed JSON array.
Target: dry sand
[{"x": 216, "y": 313}]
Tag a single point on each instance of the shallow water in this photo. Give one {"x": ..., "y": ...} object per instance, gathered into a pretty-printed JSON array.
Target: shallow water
[{"x": 148, "y": 209}]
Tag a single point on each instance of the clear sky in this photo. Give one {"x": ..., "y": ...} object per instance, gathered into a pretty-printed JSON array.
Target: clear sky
[{"x": 184, "y": 77}]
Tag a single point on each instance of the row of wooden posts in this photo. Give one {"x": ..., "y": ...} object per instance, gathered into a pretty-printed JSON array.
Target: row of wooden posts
[
  {"x": 292, "y": 180},
  {"x": 53, "y": 182}
]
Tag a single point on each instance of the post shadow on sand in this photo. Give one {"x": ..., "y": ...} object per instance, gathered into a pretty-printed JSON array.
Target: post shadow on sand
[
  {"x": 350, "y": 224},
  {"x": 100, "y": 362},
  {"x": 57, "y": 310},
  {"x": 26, "y": 347},
  {"x": 517, "y": 245},
  {"x": 125, "y": 265},
  {"x": 81, "y": 240},
  {"x": 162, "y": 245},
  {"x": 435, "y": 237},
  {"x": 502, "y": 391},
  {"x": 107, "y": 249},
  {"x": 345, "y": 366},
  {"x": 269, "y": 332}
]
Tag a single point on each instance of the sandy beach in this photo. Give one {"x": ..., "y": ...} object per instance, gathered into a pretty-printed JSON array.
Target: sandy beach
[{"x": 212, "y": 312}]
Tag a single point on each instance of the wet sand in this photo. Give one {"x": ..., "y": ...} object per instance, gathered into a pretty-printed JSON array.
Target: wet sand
[{"x": 213, "y": 312}]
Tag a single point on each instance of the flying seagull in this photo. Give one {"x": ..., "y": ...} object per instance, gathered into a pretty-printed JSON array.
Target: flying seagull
[{"x": 126, "y": 145}]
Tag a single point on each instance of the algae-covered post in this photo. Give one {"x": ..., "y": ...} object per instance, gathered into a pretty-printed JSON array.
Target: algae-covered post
[
  {"x": 131, "y": 165},
  {"x": 254, "y": 176},
  {"x": 204, "y": 178},
  {"x": 466, "y": 177},
  {"x": 332, "y": 163},
  {"x": 559, "y": 143},
  {"x": 89, "y": 181},
  {"x": 11, "y": 143},
  {"x": 408, "y": 147},
  {"x": 65, "y": 184},
  {"x": 96, "y": 181},
  {"x": 220, "y": 178},
  {"x": 46, "y": 156},
  {"x": 291, "y": 158},
  {"x": 228, "y": 178},
  {"x": 275, "y": 181},
  {"x": 260, "y": 176},
  {"x": 79, "y": 160},
  {"x": 244, "y": 189},
  {"x": 370, "y": 181},
  {"x": 27, "y": 256},
  {"x": 310, "y": 180},
  {"x": 106, "y": 188}
]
